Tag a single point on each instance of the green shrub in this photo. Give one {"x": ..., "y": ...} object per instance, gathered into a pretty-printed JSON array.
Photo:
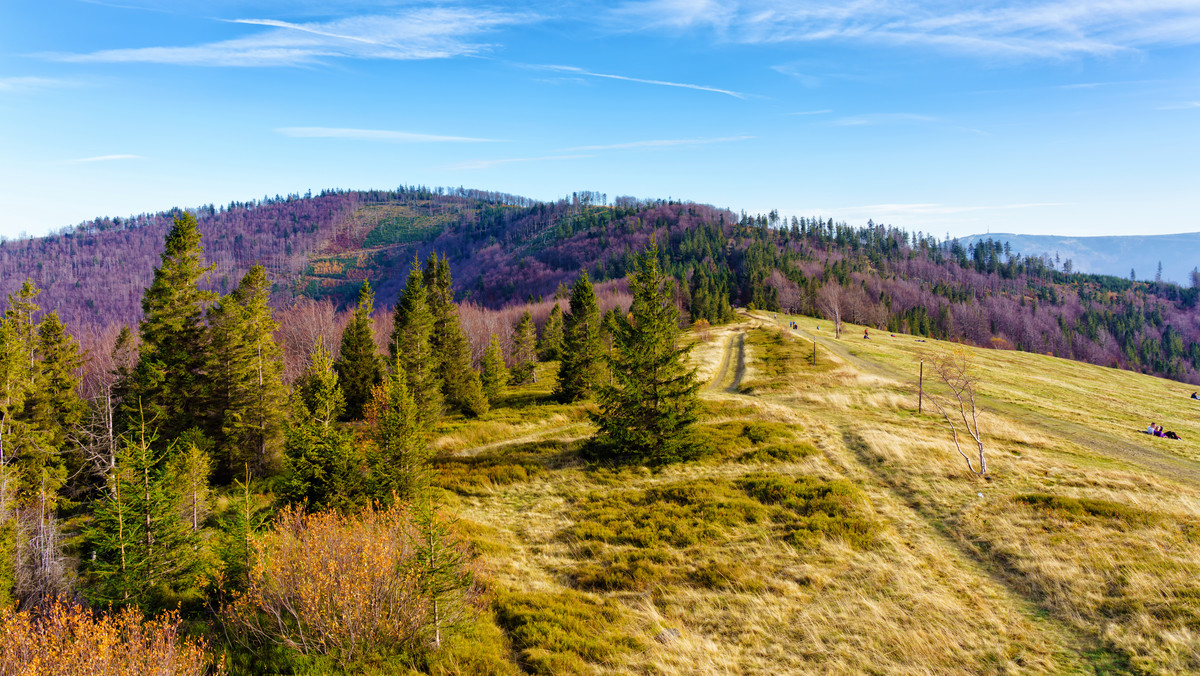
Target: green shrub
[
  {"x": 564, "y": 632},
  {"x": 811, "y": 508},
  {"x": 778, "y": 453},
  {"x": 1089, "y": 507},
  {"x": 723, "y": 575},
  {"x": 731, "y": 437},
  {"x": 627, "y": 570},
  {"x": 679, "y": 514}
]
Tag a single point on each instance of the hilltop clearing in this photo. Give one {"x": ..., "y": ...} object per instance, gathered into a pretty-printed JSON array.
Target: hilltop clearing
[{"x": 833, "y": 529}]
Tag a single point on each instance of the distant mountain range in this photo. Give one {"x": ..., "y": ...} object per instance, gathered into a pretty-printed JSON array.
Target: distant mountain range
[{"x": 1179, "y": 254}]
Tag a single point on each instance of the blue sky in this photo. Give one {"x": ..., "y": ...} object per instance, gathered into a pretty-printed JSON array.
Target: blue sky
[{"x": 1034, "y": 116}]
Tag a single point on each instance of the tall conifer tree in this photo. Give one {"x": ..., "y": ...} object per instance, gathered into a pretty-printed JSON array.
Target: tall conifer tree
[
  {"x": 495, "y": 374},
  {"x": 550, "y": 345},
  {"x": 247, "y": 379},
  {"x": 399, "y": 464},
  {"x": 358, "y": 366},
  {"x": 412, "y": 351},
  {"x": 524, "y": 356},
  {"x": 319, "y": 454},
  {"x": 169, "y": 385},
  {"x": 460, "y": 382},
  {"x": 141, "y": 550},
  {"x": 648, "y": 412},
  {"x": 580, "y": 368}
]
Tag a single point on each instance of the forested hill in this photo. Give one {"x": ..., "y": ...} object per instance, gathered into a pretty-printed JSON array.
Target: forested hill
[{"x": 505, "y": 249}]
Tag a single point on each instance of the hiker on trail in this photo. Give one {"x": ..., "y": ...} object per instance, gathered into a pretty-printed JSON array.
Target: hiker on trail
[{"x": 866, "y": 334}]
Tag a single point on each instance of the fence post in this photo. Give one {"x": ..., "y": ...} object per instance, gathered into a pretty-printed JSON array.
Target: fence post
[{"x": 921, "y": 386}]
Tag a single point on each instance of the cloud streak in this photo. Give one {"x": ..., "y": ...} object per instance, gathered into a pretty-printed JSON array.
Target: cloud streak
[
  {"x": 663, "y": 143},
  {"x": 376, "y": 135},
  {"x": 626, "y": 78},
  {"x": 104, "y": 158},
  {"x": 416, "y": 33},
  {"x": 29, "y": 83},
  {"x": 1021, "y": 29}
]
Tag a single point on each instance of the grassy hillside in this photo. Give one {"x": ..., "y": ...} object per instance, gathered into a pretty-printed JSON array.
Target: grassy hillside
[{"x": 833, "y": 529}]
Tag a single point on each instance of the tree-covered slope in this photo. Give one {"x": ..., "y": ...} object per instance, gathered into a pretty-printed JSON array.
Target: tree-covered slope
[{"x": 506, "y": 250}]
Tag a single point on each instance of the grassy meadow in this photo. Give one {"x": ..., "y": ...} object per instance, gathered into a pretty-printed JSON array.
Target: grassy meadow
[{"x": 831, "y": 528}]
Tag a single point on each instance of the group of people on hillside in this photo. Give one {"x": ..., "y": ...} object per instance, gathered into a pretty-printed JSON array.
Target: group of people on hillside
[{"x": 1157, "y": 431}]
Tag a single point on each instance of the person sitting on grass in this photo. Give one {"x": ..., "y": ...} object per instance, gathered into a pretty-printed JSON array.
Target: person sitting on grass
[
  {"x": 1150, "y": 429},
  {"x": 1171, "y": 435}
]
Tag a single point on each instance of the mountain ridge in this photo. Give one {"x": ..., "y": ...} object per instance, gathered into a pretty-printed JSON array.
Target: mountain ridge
[{"x": 1114, "y": 255}]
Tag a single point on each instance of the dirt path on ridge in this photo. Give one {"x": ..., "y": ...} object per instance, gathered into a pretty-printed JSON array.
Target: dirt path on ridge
[{"x": 734, "y": 355}]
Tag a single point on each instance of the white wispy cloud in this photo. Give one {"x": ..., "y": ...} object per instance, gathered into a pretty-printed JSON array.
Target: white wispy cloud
[
  {"x": 626, "y": 78},
  {"x": 29, "y": 83},
  {"x": 824, "y": 111},
  {"x": 1186, "y": 105},
  {"x": 488, "y": 164},
  {"x": 414, "y": 33},
  {"x": 1025, "y": 28},
  {"x": 376, "y": 135},
  {"x": 662, "y": 143},
  {"x": 104, "y": 158}
]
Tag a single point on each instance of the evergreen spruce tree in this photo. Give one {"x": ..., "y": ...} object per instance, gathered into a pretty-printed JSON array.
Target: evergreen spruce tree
[
  {"x": 460, "y": 382},
  {"x": 579, "y": 372},
  {"x": 192, "y": 468},
  {"x": 446, "y": 577},
  {"x": 358, "y": 366},
  {"x": 142, "y": 552},
  {"x": 495, "y": 374},
  {"x": 648, "y": 413},
  {"x": 235, "y": 544},
  {"x": 28, "y": 449},
  {"x": 550, "y": 345},
  {"x": 16, "y": 379},
  {"x": 55, "y": 406},
  {"x": 524, "y": 354},
  {"x": 400, "y": 462},
  {"x": 169, "y": 384},
  {"x": 319, "y": 460},
  {"x": 608, "y": 329},
  {"x": 247, "y": 379},
  {"x": 412, "y": 352}
]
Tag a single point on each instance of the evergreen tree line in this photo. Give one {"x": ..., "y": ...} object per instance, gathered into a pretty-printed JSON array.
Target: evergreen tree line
[
  {"x": 195, "y": 412},
  {"x": 159, "y": 490}
]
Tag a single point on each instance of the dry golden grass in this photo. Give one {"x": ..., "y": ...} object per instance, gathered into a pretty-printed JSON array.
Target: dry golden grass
[{"x": 963, "y": 575}]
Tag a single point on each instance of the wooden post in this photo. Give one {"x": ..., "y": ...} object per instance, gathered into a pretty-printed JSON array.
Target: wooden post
[
  {"x": 814, "y": 358},
  {"x": 921, "y": 386}
]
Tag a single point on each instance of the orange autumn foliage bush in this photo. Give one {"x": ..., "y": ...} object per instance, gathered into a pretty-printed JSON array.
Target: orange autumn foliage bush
[
  {"x": 72, "y": 641},
  {"x": 346, "y": 587}
]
